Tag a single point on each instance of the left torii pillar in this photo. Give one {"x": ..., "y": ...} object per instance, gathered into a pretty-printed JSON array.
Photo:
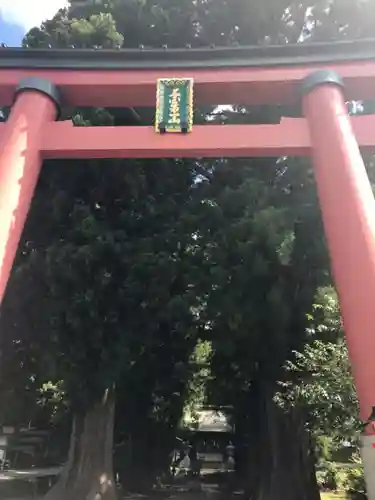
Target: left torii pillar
[{"x": 35, "y": 105}]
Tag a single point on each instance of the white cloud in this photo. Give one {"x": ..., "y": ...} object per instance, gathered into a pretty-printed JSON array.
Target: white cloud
[{"x": 29, "y": 13}]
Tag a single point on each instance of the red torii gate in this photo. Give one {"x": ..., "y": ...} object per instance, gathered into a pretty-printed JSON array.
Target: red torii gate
[{"x": 36, "y": 82}]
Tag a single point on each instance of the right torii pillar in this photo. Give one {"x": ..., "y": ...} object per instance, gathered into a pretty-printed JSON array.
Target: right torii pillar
[{"x": 348, "y": 210}]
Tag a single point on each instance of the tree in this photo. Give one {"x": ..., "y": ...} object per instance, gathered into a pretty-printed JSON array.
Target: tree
[
  {"x": 318, "y": 379},
  {"x": 114, "y": 258},
  {"x": 264, "y": 280}
]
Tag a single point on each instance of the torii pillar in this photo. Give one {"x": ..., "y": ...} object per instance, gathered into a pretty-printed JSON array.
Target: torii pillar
[
  {"x": 36, "y": 104},
  {"x": 348, "y": 210}
]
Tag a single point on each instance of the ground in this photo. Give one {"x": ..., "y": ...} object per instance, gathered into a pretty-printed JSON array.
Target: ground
[
  {"x": 324, "y": 496},
  {"x": 333, "y": 496},
  {"x": 15, "y": 488}
]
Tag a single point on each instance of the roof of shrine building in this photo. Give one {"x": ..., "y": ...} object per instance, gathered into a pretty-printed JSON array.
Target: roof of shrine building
[{"x": 185, "y": 58}]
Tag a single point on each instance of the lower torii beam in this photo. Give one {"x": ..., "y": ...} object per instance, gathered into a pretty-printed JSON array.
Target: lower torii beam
[{"x": 291, "y": 137}]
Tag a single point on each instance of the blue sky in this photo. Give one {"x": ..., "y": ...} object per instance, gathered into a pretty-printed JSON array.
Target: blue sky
[{"x": 18, "y": 16}]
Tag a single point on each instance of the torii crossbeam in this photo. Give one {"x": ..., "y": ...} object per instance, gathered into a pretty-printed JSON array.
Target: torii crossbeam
[{"x": 36, "y": 83}]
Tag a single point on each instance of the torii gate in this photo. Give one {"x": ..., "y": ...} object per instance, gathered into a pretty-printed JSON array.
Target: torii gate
[{"x": 36, "y": 82}]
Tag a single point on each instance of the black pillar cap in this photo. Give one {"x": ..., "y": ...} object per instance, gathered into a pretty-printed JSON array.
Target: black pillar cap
[
  {"x": 42, "y": 85},
  {"x": 320, "y": 77},
  {"x": 370, "y": 420},
  {"x": 372, "y": 416}
]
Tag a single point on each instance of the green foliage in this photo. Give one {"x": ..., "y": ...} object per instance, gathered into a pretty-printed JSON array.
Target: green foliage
[
  {"x": 204, "y": 22},
  {"x": 327, "y": 476},
  {"x": 98, "y": 31},
  {"x": 355, "y": 480},
  {"x": 199, "y": 377},
  {"x": 348, "y": 478},
  {"x": 326, "y": 385},
  {"x": 319, "y": 376},
  {"x": 109, "y": 292},
  {"x": 53, "y": 400}
]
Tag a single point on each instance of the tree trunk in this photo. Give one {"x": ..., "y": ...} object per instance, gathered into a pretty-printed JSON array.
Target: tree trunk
[
  {"x": 281, "y": 459},
  {"x": 88, "y": 472}
]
